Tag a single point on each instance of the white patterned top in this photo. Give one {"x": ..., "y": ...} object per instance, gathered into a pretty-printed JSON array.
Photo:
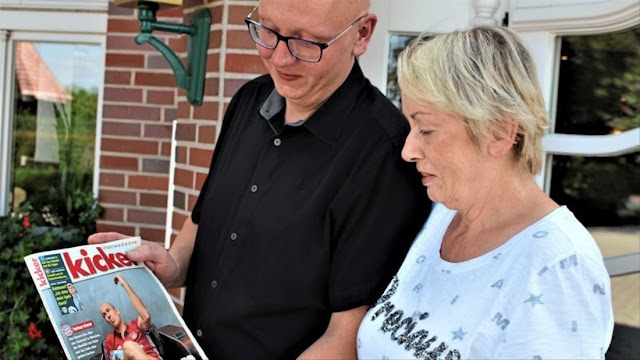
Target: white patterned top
[{"x": 544, "y": 294}]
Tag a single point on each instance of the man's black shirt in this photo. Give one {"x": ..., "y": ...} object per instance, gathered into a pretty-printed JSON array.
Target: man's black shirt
[{"x": 296, "y": 222}]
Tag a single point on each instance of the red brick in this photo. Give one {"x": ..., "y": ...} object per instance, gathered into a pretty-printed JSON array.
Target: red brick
[
  {"x": 146, "y": 217},
  {"x": 165, "y": 149},
  {"x": 155, "y": 235},
  {"x": 184, "y": 110},
  {"x": 181, "y": 155},
  {"x": 153, "y": 200},
  {"x": 186, "y": 132},
  {"x": 239, "y": 39},
  {"x": 122, "y": 94},
  {"x": 192, "y": 202},
  {"x": 207, "y": 134},
  {"x": 213, "y": 62},
  {"x": 159, "y": 166},
  {"x": 215, "y": 39},
  {"x": 207, "y": 111},
  {"x": 171, "y": 12},
  {"x": 127, "y": 230},
  {"x": 178, "y": 45},
  {"x": 119, "y": 10},
  {"x": 154, "y": 79},
  {"x": 125, "y": 60},
  {"x": 231, "y": 86},
  {"x": 126, "y": 42},
  {"x": 117, "y": 197},
  {"x": 200, "y": 179},
  {"x": 157, "y": 131},
  {"x": 211, "y": 86},
  {"x": 178, "y": 220},
  {"x": 242, "y": 63},
  {"x": 183, "y": 178},
  {"x": 119, "y": 163},
  {"x": 148, "y": 182},
  {"x": 200, "y": 157},
  {"x": 116, "y": 180},
  {"x": 169, "y": 114},
  {"x": 112, "y": 214},
  {"x": 130, "y": 146},
  {"x": 186, "y": 4},
  {"x": 179, "y": 199},
  {"x": 161, "y": 97},
  {"x": 117, "y": 77},
  {"x": 123, "y": 26},
  {"x": 238, "y": 13},
  {"x": 216, "y": 14},
  {"x": 121, "y": 129},
  {"x": 131, "y": 112},
  {"x": 157, "y": 62}
]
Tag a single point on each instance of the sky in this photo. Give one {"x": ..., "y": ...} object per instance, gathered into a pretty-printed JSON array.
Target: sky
[{"x": 74, "y": 65}]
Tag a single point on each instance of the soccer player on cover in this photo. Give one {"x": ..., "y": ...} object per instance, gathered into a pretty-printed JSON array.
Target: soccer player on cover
[{"x": 128, "y": 340}]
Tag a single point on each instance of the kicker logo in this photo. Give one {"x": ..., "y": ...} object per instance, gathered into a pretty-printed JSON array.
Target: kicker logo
[{"x": 101, "y": 262}]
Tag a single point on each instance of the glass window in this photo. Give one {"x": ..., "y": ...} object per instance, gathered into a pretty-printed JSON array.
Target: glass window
[
  {"x": 598, "y": 94},
  {"x": 54, "y": 119},
  {"x": 397, "y": 44}
]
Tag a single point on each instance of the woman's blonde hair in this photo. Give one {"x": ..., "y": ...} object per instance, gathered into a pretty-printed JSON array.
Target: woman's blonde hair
[{"x": 484, "y": 75}]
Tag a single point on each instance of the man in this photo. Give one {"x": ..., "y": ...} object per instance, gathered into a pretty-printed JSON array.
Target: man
[
  {"x": 75, "y": 299},
  {"x": 308, "y": 208},
  {"x": 128, "y": 340}
]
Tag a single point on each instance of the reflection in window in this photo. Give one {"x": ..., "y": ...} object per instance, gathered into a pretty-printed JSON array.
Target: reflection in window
[
  {"x": 598, "y": 94},
  {"x": 398, "y": 43},
  {"x": 54, "y": 121}
]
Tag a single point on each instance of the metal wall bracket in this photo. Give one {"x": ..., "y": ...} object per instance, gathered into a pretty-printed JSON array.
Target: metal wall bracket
[{"x": 192, "y": 77}]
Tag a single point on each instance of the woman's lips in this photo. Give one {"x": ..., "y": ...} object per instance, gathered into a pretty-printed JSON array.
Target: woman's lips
[{"x": 427, "y": 178}]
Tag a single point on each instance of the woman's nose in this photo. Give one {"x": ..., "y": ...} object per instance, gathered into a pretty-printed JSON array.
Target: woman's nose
[{"x": 410, "y": 150}]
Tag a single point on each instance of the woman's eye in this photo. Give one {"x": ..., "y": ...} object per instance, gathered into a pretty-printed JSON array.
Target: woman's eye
[{"x": 424, "y": 132}]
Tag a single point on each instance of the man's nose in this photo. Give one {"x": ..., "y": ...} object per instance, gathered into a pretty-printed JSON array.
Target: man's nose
[{"x": 281, "y": 55}]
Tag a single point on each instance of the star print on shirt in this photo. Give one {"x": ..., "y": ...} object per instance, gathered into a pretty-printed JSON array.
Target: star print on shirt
[
  {"x": 534, "y": 300},
  {"x": 458, "y": 334}
]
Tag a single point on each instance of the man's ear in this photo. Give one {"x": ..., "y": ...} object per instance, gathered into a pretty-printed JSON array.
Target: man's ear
[
  {"x": 501, "y": 142},
  {"x": 365, "y": 31}
]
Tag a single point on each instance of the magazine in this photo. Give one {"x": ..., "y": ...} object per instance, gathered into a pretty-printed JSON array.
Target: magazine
[{"x": 97, "y": 299}]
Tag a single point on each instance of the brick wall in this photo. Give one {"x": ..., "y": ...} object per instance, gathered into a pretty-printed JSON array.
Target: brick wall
[{"x": 137, "y": 175}]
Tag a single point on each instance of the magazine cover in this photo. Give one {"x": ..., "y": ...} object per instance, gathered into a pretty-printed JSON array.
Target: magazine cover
[{"x": 104, "y": 306}]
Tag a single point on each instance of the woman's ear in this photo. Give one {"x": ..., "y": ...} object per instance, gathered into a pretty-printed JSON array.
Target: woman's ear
[
  {"x": 504, "y": 140},
  {"x": 365, "y": 31}
]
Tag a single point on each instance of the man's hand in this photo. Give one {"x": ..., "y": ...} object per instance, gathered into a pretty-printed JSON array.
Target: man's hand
[{"x": 154, "y": 255}]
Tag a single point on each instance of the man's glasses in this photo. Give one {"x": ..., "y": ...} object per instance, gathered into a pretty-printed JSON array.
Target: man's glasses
[{"x": 305, "y": 50}]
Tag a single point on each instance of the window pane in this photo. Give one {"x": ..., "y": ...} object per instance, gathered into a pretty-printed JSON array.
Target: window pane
[
  {"x": 599, "y": 84},
  {"x": 56, "y": 93},
  {"x": 397, "y": 44}
]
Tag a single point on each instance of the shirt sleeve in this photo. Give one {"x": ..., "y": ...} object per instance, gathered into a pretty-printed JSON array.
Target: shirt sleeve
[
  {"x": 374, "y": 219},
  {"x": 567, "y": 314}
]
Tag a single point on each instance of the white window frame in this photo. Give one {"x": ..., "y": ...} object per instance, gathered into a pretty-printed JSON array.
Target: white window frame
[{"x": 41, "y": 26}]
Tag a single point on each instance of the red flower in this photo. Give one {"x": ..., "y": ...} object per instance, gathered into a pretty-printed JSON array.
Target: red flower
[
  {"x": 34, "y": 333},
  {"x": 25, "y": 222}
]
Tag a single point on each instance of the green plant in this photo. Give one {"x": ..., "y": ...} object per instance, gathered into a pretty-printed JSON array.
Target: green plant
[{"x": 25, "y": 330}]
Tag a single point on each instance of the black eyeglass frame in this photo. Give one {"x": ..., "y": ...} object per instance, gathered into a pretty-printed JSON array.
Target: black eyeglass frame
[{"x": 286, "y": 39}]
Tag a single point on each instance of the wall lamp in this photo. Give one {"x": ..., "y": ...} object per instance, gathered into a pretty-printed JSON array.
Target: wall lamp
[{"x": 192, "y": 77}]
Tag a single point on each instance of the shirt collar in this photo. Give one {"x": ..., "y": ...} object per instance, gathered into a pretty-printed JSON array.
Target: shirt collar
[{"x": 327, "y": 121}]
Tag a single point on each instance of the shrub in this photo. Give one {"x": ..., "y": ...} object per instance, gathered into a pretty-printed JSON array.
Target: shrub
[{"x": 61, "y": 222}]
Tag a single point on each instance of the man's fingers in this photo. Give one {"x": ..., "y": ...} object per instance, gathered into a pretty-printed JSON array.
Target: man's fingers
[
  {"x": 148, "y": 252},
  {"x": 99, "y": 238}
]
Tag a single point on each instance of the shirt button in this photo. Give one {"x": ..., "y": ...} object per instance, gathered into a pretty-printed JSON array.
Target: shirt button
[
  {"x": 214, "y": 284},
  {"x": 234, "y": 236},
  {"x": 277, "y": 142},
  {"x": 254, "y": 188},
  {"x": 199, "y": 332}
]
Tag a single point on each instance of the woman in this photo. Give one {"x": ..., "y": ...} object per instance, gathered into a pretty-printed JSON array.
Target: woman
[{"x": 499, "y": 270}]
